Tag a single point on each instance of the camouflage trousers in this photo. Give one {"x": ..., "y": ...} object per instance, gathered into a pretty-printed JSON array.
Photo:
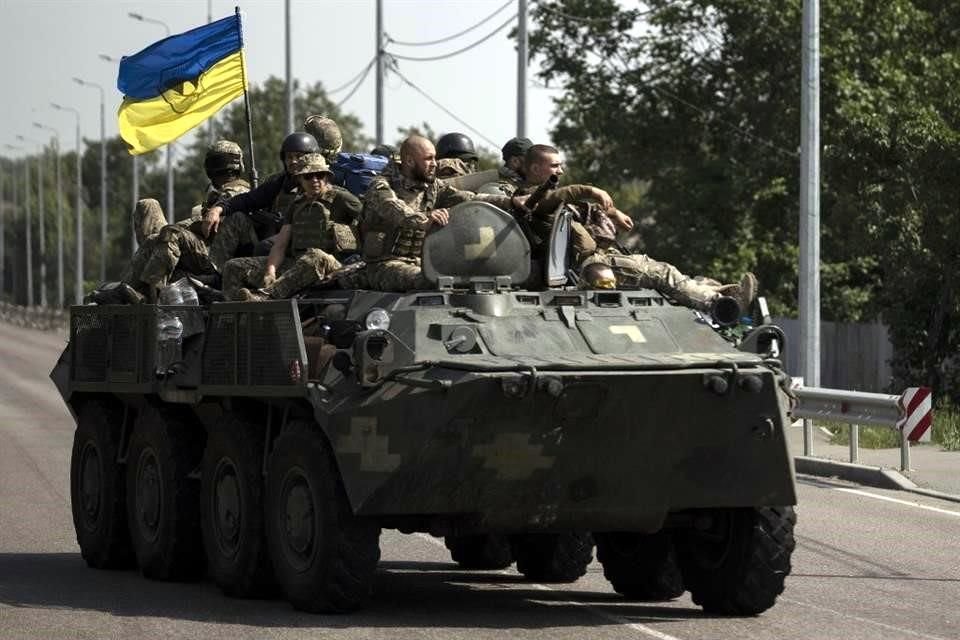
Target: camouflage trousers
[
  {"x": 308, "y": 269},
  {"x": 234, "y": 231},
  {"x": 176, "y": 248},
  {"x": 639, "y": 271},
  {"x": 396, "y": 275}
]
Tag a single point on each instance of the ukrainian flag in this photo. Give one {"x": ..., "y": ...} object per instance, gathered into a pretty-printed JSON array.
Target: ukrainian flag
[{"x": 175, "y": 84}]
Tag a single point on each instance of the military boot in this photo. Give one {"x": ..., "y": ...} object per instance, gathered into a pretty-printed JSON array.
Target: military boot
[{"x": 744, "y": 293}]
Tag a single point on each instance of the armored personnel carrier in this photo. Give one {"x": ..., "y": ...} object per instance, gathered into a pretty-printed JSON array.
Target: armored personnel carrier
[{"x": 267, "y": 444}]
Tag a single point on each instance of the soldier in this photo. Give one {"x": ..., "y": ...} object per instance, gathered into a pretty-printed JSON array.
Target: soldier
[
  {"x": 510, "y": 173},
  {"x": 400, "y": 207},
  {"x": 456, "y": 155},
  {"x": 180, "y": 247},
  {"x": 327, "y": 134},
  {"x": 307, "y": 247}
]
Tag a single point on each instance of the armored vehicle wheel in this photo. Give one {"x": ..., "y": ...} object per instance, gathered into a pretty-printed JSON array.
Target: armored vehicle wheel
[
  {"x": 231, "y": 513},
  {"x": 639, "y": 566},
  {"x": 97, "y": 488},
  {"x": 163, "y": 502},
  {"x": 324, "y": 557},
  {"x": 553, "y": 557},
  {"x": 736, "y": 564},
  {"x": 481, "y": 551}
]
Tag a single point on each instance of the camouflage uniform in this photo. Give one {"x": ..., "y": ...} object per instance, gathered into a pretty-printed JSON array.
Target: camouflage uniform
[
  {"x": 319, "y": 229},
  {"x": 452, "y": 168},
  {"x": 395, "y": 224},
  {"x": 327, "y": 134},
  {"x": 507, "y": 184},
  {"x": 148, "y": 222},
  {"x": 240, "y": 228}
]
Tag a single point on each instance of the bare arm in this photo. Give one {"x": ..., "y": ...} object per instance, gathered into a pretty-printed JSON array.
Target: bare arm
[{"x": 277, "y": 251}]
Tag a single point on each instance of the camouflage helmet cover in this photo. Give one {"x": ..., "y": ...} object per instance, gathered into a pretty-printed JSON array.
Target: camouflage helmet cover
[
  {"x": 223, "y": 155},
  {"x": 310, "y": 163},
  {"x": 327, "y": 133}
]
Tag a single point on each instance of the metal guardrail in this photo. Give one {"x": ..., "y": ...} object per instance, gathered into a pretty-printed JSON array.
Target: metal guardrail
[
  {"x": 854, "y": 408},
  {"x": 45, "y": 318}
]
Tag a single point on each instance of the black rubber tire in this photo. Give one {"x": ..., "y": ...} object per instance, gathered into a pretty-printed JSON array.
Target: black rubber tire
[
  {"x": 163, "y": 502},
  {"x": 324, "y": 557},
  {"x": 231, "y": 513},
  {"x": 97, "y": 489},
  {"x": 553, "y": 557},
  {"x": 738, "y": 565},
  {"x": 640, "y": 566},
  {"x": 489, "y": 551}
]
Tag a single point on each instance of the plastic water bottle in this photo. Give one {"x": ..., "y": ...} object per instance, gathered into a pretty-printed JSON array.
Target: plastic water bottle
[
  {"x": 171, "y": 294},
  {"x": 169, "y": 334},
  {"x": 189, "y": 295}
]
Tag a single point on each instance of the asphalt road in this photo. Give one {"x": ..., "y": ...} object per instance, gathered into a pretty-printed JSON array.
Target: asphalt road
[{"x": 869, "y": 564}]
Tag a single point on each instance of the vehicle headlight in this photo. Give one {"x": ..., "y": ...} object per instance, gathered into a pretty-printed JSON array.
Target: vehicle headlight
[{"x": 377, "y": 319}]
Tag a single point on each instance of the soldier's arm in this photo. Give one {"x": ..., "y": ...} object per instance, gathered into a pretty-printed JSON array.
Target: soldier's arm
[
  {"x": 278, "y": 250},
  {"x": 450, "y": 196},
  {"x": 346, "y": 207},
  {"x": 383, "y": 206}
]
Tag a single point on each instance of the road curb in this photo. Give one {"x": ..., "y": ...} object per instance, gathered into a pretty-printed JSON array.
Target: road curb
[{"x": 878, "y": 477}]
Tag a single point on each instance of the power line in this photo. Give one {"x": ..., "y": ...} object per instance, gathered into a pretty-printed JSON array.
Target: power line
[
  {"x": 454, "y": 36},
  {"x": 363, "y": 76},
  {"x": 458, "y": 51},
  {"x": 443, "y": 108},
  {"x": 351, "y": 80}
]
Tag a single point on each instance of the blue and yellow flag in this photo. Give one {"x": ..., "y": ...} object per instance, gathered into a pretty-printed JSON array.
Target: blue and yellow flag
[{"x": 175, "y": 84}]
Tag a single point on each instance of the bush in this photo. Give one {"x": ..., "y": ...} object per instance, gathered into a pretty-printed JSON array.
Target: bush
[{"x": 946, "y": 426}]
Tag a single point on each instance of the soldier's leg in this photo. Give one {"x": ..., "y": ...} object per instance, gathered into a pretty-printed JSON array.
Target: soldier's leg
[
  {"x": 309, "y": 269},
  {"x": 396, "y": 275},
  {"x": 639, "y": 271},
  {"x": 147, "y": 219},
  {"x": 240, "y": 273},
  {"x": 162, "y": 260},
  {"x": 235, "y": 230},
  {"x": 194, "y": 255}
]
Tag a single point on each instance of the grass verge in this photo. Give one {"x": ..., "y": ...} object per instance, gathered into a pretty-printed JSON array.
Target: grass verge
[{"x": 946, "y": 431}]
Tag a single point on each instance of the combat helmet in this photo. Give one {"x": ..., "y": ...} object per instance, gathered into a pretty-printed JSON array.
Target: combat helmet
[
  {"x": 298, "y": 142},
  {"x": 327, "y": 134},
  {"x": 223, "y": 156},
  {"x": 456, "y": 145},
  {"x": 310, "y": 163}
]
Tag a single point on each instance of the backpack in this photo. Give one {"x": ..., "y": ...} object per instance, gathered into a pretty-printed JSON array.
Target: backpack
[{"x": 355, "y": 171}]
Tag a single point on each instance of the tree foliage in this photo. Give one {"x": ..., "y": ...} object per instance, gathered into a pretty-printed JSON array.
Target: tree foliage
[{"x": 699, "y": 102}]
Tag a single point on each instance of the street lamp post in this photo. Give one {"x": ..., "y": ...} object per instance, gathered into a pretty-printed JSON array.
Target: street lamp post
[
  {"x": 56, "y": 152},
  {"x": 103, "y": 176},
  {"x": 78, "y": 293},
  {"x": 135, "y": 176},
  {"x": 170, "y": 216},
  {"x": 40, "y": 199}
]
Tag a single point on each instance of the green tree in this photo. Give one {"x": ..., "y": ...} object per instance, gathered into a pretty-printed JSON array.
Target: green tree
[{"x": 700, "y": 101}]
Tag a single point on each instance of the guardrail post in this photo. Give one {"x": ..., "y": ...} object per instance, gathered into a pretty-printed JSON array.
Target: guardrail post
[
  {"x": 854, "y": 443},
  {"x": 904, "y": 452},
  {"x": 807, "y": 437}
]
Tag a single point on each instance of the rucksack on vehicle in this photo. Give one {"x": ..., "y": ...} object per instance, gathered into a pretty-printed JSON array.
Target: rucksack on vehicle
[{"x": 354, "y": 171}]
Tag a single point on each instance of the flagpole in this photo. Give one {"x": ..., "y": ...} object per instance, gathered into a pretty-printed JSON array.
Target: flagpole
[{"x": 254, "y": 179}]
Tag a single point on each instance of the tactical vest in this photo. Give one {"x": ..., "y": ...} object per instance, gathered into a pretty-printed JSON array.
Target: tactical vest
[
  {"x": 397, "y": 242},
  {"x": 313, "y": 228}
]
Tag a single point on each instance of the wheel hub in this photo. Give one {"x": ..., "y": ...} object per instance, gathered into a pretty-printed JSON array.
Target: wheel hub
[
  {"x": 227, "y": 507},
  {"x": 149, "y": 495},
  {"x": 298, "y": 520},
  {"x": 91, "y": 484}
]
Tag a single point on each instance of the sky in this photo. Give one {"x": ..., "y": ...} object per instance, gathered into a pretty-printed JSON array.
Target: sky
[{"x": 45, "y": 43}]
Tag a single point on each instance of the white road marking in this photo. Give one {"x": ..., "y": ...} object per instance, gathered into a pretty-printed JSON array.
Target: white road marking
[
  {"x": 889, "y": 627},
  {"x": 636, "y": 626},
  {"x": 898, "y": 501}
]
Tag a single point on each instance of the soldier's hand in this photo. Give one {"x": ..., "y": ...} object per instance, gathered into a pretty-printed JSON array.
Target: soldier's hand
[
  {"x": 619, "y": 218},
  {"x": 439, "y": 217},
  {"x": 269, "y": 278},
  {"x": 603, "y": 198},
  {"x": 519, "y": 203},
  {"x": 211, "y": 220}
]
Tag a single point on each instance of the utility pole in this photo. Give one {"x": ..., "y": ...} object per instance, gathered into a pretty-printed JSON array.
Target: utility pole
[
  {"x": 41, "y": 197},
  {"x": 78, "y": 293},
  {"x": 103, "y": 177},
  {"x": 28, "y": 231},
  {"x": 810, "y": 206},
  {"x": 56, "y": 153},
  {"x": 3, "y": 244},
  {"x": 379, "y": 53},
  {"x": 289, "y": 70},
  {"x": 522, "y": 68}
]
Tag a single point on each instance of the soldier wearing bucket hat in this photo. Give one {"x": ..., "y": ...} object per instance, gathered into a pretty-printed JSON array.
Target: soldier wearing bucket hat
[{"x": 308, "y": 248}]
